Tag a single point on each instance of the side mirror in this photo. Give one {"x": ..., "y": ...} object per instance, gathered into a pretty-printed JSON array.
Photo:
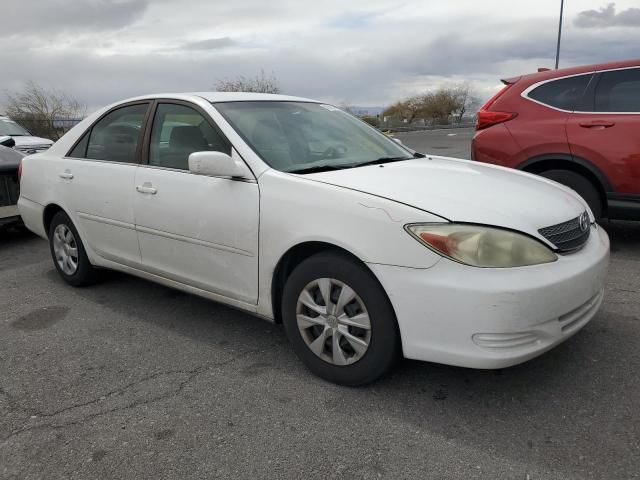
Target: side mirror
[
  {"x": 397, "y": 140},
  {"x": 7, "y": 142},
  {"x": 214, "y": 164}
]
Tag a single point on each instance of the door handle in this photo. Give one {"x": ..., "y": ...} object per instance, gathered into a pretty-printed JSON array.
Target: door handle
[
  {"x": 599, "y": 124},
  {"x": 66, "y": 175},
  {"x": 146, "y": 188}
]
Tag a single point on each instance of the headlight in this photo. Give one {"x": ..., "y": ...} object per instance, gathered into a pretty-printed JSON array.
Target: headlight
[{"x": 481, "y": 246}]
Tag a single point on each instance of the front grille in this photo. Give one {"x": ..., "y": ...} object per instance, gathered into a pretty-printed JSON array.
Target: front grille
[
  {"x": 31, "y": 149},
  {"x": 9, "y": 190},
  {"x": 568, "y": 235}
]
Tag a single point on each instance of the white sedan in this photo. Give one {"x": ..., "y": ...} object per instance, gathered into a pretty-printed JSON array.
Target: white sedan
[{"x": 295, "y": 211}]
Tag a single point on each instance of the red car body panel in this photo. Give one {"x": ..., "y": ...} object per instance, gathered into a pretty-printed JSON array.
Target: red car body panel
[{"x": 606, "y": 145}]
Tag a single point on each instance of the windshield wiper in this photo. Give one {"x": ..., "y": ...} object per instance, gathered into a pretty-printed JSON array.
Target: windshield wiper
[
  {"x": 381, "y": 160},
  {"x": 320, "y": 168}
]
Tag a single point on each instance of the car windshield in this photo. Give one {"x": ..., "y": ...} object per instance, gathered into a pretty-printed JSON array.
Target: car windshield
[
  {"x": 11, "y": 128},
  {"x": 302, "y": 137}
]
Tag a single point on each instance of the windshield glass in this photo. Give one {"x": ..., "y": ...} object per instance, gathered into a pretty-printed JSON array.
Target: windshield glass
[
  {"x": 299, "y": 136},
  {"x": 9, "y": 127}
]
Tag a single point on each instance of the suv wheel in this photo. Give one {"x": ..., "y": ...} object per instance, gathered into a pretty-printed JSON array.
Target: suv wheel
[
  {"x": 579, "y": 184},
  {"x": 339, "y": 320}
]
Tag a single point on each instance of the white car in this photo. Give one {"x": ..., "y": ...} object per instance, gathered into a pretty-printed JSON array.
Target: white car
[
  {"x": 25, "y": 142},
  {"x": 297, "y": 212}
]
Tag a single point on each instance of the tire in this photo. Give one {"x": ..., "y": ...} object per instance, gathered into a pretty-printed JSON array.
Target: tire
[
  {"x": 65, "y": 243},
  {"x": 583, "y": 186},
  {"x": 349, "y": 364}
]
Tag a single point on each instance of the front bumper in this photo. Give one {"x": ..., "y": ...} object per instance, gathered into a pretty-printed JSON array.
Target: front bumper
[{"x": 494, "y": 318}]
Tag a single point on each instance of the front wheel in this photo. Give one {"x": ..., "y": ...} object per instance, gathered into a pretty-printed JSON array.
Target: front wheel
[{"x": 339, "y": 320}]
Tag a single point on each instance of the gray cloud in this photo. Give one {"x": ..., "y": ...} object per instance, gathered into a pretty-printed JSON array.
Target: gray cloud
[
  {"x": 62, "y": 16},
  {"x": 607, "y": 17},
  {"x": 209, "y": 44},
  {"x": 400, "y": 54}
]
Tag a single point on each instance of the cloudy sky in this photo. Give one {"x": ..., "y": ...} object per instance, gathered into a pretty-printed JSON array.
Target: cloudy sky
[{"x": 360, "y": 52}]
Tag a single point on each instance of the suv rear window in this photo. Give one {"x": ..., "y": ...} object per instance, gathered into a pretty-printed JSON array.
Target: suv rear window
[
  {"x": 564, "y": 93},
  {"x": 618, "y": 91}
]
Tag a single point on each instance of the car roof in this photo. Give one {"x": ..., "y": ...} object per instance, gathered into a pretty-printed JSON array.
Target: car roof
[
  {"x": 565, "y": 72},
  {"x": 225, "y": 97}
]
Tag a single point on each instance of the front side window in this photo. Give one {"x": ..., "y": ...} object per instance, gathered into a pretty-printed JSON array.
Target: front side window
[
  {"x": 302, "y": 136},
  {"x": 116, "y": 136},
  {"x": 179, "y": 131},
  {"x": 564, "y": 93},
  {"x": 618, "y": 91}
]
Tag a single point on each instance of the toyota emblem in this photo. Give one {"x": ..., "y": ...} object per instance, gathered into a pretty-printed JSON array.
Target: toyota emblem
[{"x": 584, "y": 222}]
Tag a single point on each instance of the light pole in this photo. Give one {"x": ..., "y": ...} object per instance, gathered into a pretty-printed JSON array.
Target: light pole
[{"x": 559, "y": 34}]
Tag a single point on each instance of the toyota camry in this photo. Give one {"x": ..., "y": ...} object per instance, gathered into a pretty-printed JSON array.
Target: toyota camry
[{"x": 300, "y": 213}]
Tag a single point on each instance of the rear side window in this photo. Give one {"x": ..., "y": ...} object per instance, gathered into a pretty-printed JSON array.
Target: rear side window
[
  {"x": 116, "y": 136},
  {"x": 618, "y": 91},
  {"x": 564, "y": 93}
]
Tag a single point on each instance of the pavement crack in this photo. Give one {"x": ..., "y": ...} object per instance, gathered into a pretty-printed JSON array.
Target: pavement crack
[{"x": 115, "y": 393}]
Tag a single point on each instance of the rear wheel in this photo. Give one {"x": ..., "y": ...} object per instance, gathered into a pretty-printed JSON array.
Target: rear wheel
[
  {"x": 68, "y": 253},
  {"x": 339, "y": 320},
  {"x": 583, "y": 186}
]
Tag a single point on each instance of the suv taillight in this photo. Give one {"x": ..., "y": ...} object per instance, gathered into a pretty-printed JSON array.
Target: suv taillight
[{"x": 486, "y": 118}]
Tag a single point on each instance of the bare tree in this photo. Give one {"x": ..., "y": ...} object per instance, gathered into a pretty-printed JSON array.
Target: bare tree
[
  {"x": 43, "y": 111},
  {"x": 261, "y": 83},
  {"x": 408, "y": 109},
  {"x": 467, "y": 101},
  {"x": 438, "y": 106}
]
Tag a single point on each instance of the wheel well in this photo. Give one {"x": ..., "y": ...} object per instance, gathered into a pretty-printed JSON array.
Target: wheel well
[
  {"x": 559, "y": 164},
  {"x": 290, "y": 260},
  {"x": 49, "y": 211}
]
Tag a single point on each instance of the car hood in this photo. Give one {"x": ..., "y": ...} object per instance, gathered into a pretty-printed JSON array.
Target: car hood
[
  {"x": 29, "y": 141},
  {"x": 465, "y": 191}
]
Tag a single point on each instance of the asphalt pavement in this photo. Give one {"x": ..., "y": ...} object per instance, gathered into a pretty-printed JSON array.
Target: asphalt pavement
[
  {"x": 132, "y": 380},
  {"x": 455, "y": 142}
]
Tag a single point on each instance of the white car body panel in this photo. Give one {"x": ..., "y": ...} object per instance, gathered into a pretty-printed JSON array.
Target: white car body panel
[
  {"x": 464, "y": 191},
  {"x": 101, "y": 198},
  {"x": 200, "y": 230},
  {"x": 223, "y": 238}
]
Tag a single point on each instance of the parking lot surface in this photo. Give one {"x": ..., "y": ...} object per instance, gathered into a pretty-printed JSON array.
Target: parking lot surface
[
  {"x": 128, "y": 379},
  {"x": 455, "y": 142}
]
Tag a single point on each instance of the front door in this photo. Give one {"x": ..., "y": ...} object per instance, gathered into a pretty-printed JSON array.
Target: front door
[{"x": 198, "y": 230}]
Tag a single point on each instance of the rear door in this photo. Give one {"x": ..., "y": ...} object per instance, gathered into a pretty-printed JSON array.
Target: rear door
[
  {"x": 97, "y": 182},
  {"x": 540, "y": 129},
  {"x": 605, "y": 129},
  {"x": 198, "y": 230}
]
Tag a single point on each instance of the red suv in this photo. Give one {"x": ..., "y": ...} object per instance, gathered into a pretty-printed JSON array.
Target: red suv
[{"x": 578, "y": 126}]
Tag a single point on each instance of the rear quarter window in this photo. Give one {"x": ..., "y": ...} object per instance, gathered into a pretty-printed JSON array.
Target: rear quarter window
[{"x": 564, "y": 93}]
